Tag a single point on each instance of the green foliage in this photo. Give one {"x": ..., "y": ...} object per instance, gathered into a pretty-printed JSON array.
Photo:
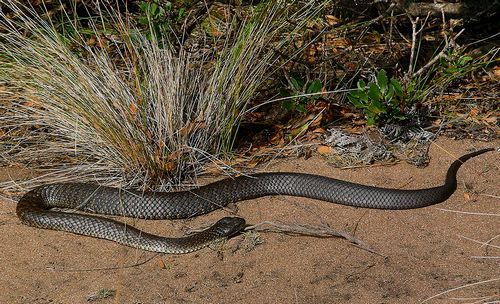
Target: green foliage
[
  {"x": 298, "y": 93},
  {"x": 381, "y": 101},
  {"x": 101, "y": 294},
  {"x": 159, "y": 17}
]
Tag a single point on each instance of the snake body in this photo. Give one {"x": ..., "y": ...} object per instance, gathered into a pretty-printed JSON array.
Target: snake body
[{"x": 34, "y": 208}]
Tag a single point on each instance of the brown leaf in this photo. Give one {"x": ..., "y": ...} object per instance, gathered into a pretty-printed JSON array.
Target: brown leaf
[
  {"x": 169, "y": 166},
  {"x": 277, "y": 138},
  {"x": 319, "y": 130},
  {"x": 92, "y": 41},
  {"x": 325, "y": 150},
  {"x": 496, "y": 72},
  {"x": 466, "y": 196},
  {"x": 252, "y": 163},
  {"x": 162, "y": 264},
  {"x": 332, "y": 20},
  {"x": 133, "y": 109},
  {"x": 473, "y": 112},
  {"x": 174, "y": 155},
  {"x": 490, "y": 119},
  {"x": 192, "y": 126}
]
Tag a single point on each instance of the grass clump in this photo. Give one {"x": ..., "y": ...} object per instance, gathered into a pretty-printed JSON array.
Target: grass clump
[{"x": 113, "y": 105}]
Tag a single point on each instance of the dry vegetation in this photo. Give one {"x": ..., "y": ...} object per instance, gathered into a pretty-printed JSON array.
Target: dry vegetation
[{"x": 119, "y": 97}]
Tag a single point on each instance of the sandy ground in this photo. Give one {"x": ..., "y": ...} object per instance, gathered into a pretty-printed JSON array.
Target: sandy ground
[{"x": 422, "y": 253}]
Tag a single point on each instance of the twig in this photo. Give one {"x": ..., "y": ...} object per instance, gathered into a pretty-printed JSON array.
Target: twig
[
  {"x": 448, "y": 42},
  {"x": 414, "y": 34},
  {"x": 460, "y": 287},
  {"x": 311, "y": 230},
  {"x": 469, "y": 213}
]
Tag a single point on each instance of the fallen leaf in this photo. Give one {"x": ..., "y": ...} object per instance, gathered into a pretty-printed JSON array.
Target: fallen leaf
[
  {"x": 252, "y": 163},
  {"x": 332, "y": 20},
  {"x": 325, "y": 150},
  {"x": 490, "y": 119},
  {"x": 162, "y": 264},
  {"x": 319, "y": 130},
  {"x": 473, "y": 112},
  {"x": 496, "y": 72},
  {"x": 466, "y": 196}
]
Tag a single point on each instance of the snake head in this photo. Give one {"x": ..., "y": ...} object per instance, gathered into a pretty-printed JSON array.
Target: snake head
[{"x": 229, "y": 226}]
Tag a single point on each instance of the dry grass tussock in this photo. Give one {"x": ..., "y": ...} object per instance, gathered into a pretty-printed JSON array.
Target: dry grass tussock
[{"x": 131, "y": 114}]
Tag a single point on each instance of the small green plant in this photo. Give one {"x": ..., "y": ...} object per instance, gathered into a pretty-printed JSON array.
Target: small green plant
[
  {"x": 159, "y": 16},
  {"x": 298, "y": 93},
  {"x": 381, "y": 101},
  {"x": 101, "y": 294}
]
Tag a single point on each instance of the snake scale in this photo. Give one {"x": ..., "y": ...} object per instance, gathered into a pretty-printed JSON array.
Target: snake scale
[{"x": 34, "y": 208}]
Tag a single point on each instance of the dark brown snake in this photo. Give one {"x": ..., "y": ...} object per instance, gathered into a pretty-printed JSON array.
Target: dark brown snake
[{"x": 34, "y": 208}]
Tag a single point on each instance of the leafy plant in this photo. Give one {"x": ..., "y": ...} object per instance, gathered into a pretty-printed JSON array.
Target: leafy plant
[
  {"x": 159, "y": 16},
  {"x": 381, "y": 101},
  {"x": 299, "y": 93}
]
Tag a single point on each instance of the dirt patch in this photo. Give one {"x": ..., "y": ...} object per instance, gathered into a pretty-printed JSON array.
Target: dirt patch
[{"x": 423, "y": 252}]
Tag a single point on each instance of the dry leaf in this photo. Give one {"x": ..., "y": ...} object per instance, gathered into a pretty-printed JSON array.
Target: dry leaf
[
  {"x": 192, "y": 126},
  {"x": 133, "y": 109},
  {"x": 174, "y": 155},
  {"x": 162, "y": 264},
  {"x": 473, "y": 112},
  {"x": 490, "y": 119},
  {"x": 332, "y": 20},
  {"x": 252, "y": 163},
  {"x": 319, "y": 130},
  {"x": 325, "y": 150},
  {"x": 496, "y": 72},
  {"x": 466, "y": 196},
  {"x": 169, "y": 166},
  {"x": 277, "y": 138},
  {"x": 92, "y": 41}
]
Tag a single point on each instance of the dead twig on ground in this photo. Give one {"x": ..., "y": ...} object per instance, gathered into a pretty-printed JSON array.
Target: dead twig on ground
[{"x": 311, "y": 230}]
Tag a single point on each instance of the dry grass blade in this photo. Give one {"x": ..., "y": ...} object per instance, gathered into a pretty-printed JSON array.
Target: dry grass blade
[
  {"x": 490, "y": 298},
  {"x": 129, "y": 112}
]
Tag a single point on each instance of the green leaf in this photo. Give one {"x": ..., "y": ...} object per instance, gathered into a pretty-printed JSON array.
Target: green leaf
[
  {"x": 314, "y": 87},
  {"x": 398, "y": 90},
  {"x": 360, "y": 95},
  {"x": 374, "y": 92},
  {"x": 370, "y": 119},
  {"x": 382, "y": 80},
  {"x": 297, "y": 83},
  {"x": 143, "y": 20},
  {"x": 284, "y": 92},
  {"x": 300, "y": 107},
  {"x": 464, "y": 59},
  {"x": 361, "y": 84},
  {"x": 377, "y": 107},
  {"x": 288, "y": 104},
  {"x": 390, "y": 93},
  {"x": 356, "y": 101},
  {"x": 143, "y": 6},
  {"x": 152, "y": 9}
]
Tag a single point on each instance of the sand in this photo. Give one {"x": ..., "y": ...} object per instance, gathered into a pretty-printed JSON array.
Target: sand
[{"x": 420, "y": 253}]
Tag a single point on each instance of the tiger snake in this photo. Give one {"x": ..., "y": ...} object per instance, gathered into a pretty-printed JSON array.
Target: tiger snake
[{"x": 35, "y": 207}]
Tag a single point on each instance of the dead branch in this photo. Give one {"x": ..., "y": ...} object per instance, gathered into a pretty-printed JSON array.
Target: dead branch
[{"x": 311, "y": 230}]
